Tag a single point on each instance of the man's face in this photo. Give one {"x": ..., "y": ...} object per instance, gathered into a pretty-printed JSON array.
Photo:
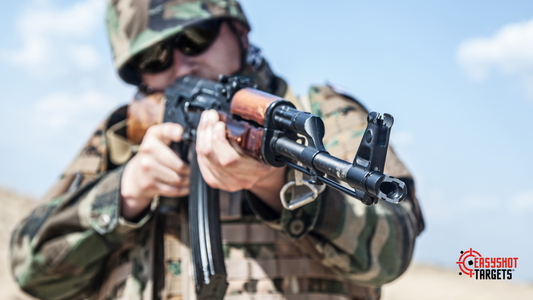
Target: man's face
[{"x": 222, "y": 57}]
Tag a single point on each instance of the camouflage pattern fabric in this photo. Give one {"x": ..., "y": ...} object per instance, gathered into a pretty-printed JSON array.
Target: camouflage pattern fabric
[
  {"x": 135, "y": 25},
  {"x": 77, "y": 245}
]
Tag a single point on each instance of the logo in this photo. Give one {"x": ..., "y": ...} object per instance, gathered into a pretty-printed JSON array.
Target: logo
[{"x": 494, "y": 268}]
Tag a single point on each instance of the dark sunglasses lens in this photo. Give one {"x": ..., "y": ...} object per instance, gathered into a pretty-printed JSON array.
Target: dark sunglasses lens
[
  {"x": 155, "y": 59},
  {"x": 197, "y": 39},
  {"x": 192, "y": 41}
]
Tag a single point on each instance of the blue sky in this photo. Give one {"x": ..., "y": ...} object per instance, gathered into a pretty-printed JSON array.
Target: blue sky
[{"x": 456, "y": 75}]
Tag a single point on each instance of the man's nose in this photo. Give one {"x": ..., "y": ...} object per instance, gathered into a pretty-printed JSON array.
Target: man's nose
[{"x": 183, "y": 64}]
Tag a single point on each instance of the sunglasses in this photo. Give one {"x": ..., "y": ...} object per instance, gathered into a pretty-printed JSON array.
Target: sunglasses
[{"x": 192, "y": 41}]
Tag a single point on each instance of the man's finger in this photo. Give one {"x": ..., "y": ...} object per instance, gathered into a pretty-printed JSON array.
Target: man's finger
[
  {"x": 165, "y": 175},
  {"x": 204, "y": 133},
  {"x": 172, "y": 191},
  {"x": 156, "y": 148},
  {"x": 227, "y": 155},
  {"x": 164, "y": 155},
  {"x": 166, "y": 132}
]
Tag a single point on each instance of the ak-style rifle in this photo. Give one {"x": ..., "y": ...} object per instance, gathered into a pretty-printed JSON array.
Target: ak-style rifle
[{"x": 271, "y": 130}]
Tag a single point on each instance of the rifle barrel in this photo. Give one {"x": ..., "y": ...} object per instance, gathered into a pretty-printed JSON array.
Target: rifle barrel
[{"x": 374, "y": 182}]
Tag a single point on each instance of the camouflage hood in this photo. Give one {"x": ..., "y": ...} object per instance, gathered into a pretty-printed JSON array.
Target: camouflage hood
[{"x": 135, "y": 25}]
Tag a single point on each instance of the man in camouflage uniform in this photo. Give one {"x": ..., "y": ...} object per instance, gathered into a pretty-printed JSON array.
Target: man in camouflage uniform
[{"x": 98, "y": 235}]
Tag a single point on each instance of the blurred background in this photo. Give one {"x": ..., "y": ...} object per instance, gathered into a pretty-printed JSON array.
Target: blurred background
[{"x": 456, "y": 75}]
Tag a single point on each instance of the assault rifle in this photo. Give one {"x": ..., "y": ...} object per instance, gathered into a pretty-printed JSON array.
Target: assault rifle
[{"x": 271, "y": 130}]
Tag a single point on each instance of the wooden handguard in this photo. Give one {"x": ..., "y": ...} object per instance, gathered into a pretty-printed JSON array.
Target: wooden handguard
[
  {"x": 248, "y": 104},
  {"x": 243, "y": 136},
  {"x": 252, "y": 105}
]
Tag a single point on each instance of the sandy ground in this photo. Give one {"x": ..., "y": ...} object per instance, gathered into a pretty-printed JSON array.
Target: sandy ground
[
  {"x": 426, "y": 282},
  {"x": 14, "y": 208},
  {"x": 420, "y": 282}
]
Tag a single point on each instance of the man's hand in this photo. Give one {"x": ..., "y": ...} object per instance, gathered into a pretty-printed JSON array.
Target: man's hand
[
  {"x": 224, "y": 168},
  {"x": 155, "y": 170}
]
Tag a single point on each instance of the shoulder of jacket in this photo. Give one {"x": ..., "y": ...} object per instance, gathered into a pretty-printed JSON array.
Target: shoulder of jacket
[
  {"x": 89, "y": 163},
  {"x": 331, "y": 100},
  {"x": 92, "y": 159}
]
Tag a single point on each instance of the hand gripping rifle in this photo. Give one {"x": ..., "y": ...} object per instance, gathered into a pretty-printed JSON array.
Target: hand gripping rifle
[{"x": 271, "y": 130}]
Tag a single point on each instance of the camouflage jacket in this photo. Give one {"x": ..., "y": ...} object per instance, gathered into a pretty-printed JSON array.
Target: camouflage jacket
[{"x": 77, "y": 245}]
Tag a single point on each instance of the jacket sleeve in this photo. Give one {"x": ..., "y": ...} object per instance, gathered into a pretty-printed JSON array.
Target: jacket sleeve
[
  {"x": 364, "y": 244},
  {"x": 58, "y": 251}
]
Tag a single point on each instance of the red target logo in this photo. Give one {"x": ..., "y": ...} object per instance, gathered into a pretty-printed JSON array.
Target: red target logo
[{"x": 466, "y": 261}]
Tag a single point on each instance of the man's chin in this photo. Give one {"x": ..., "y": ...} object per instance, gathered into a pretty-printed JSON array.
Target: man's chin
[
  {"x": 203, "y": 75},
  {"x": 212, "y": 77}
]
